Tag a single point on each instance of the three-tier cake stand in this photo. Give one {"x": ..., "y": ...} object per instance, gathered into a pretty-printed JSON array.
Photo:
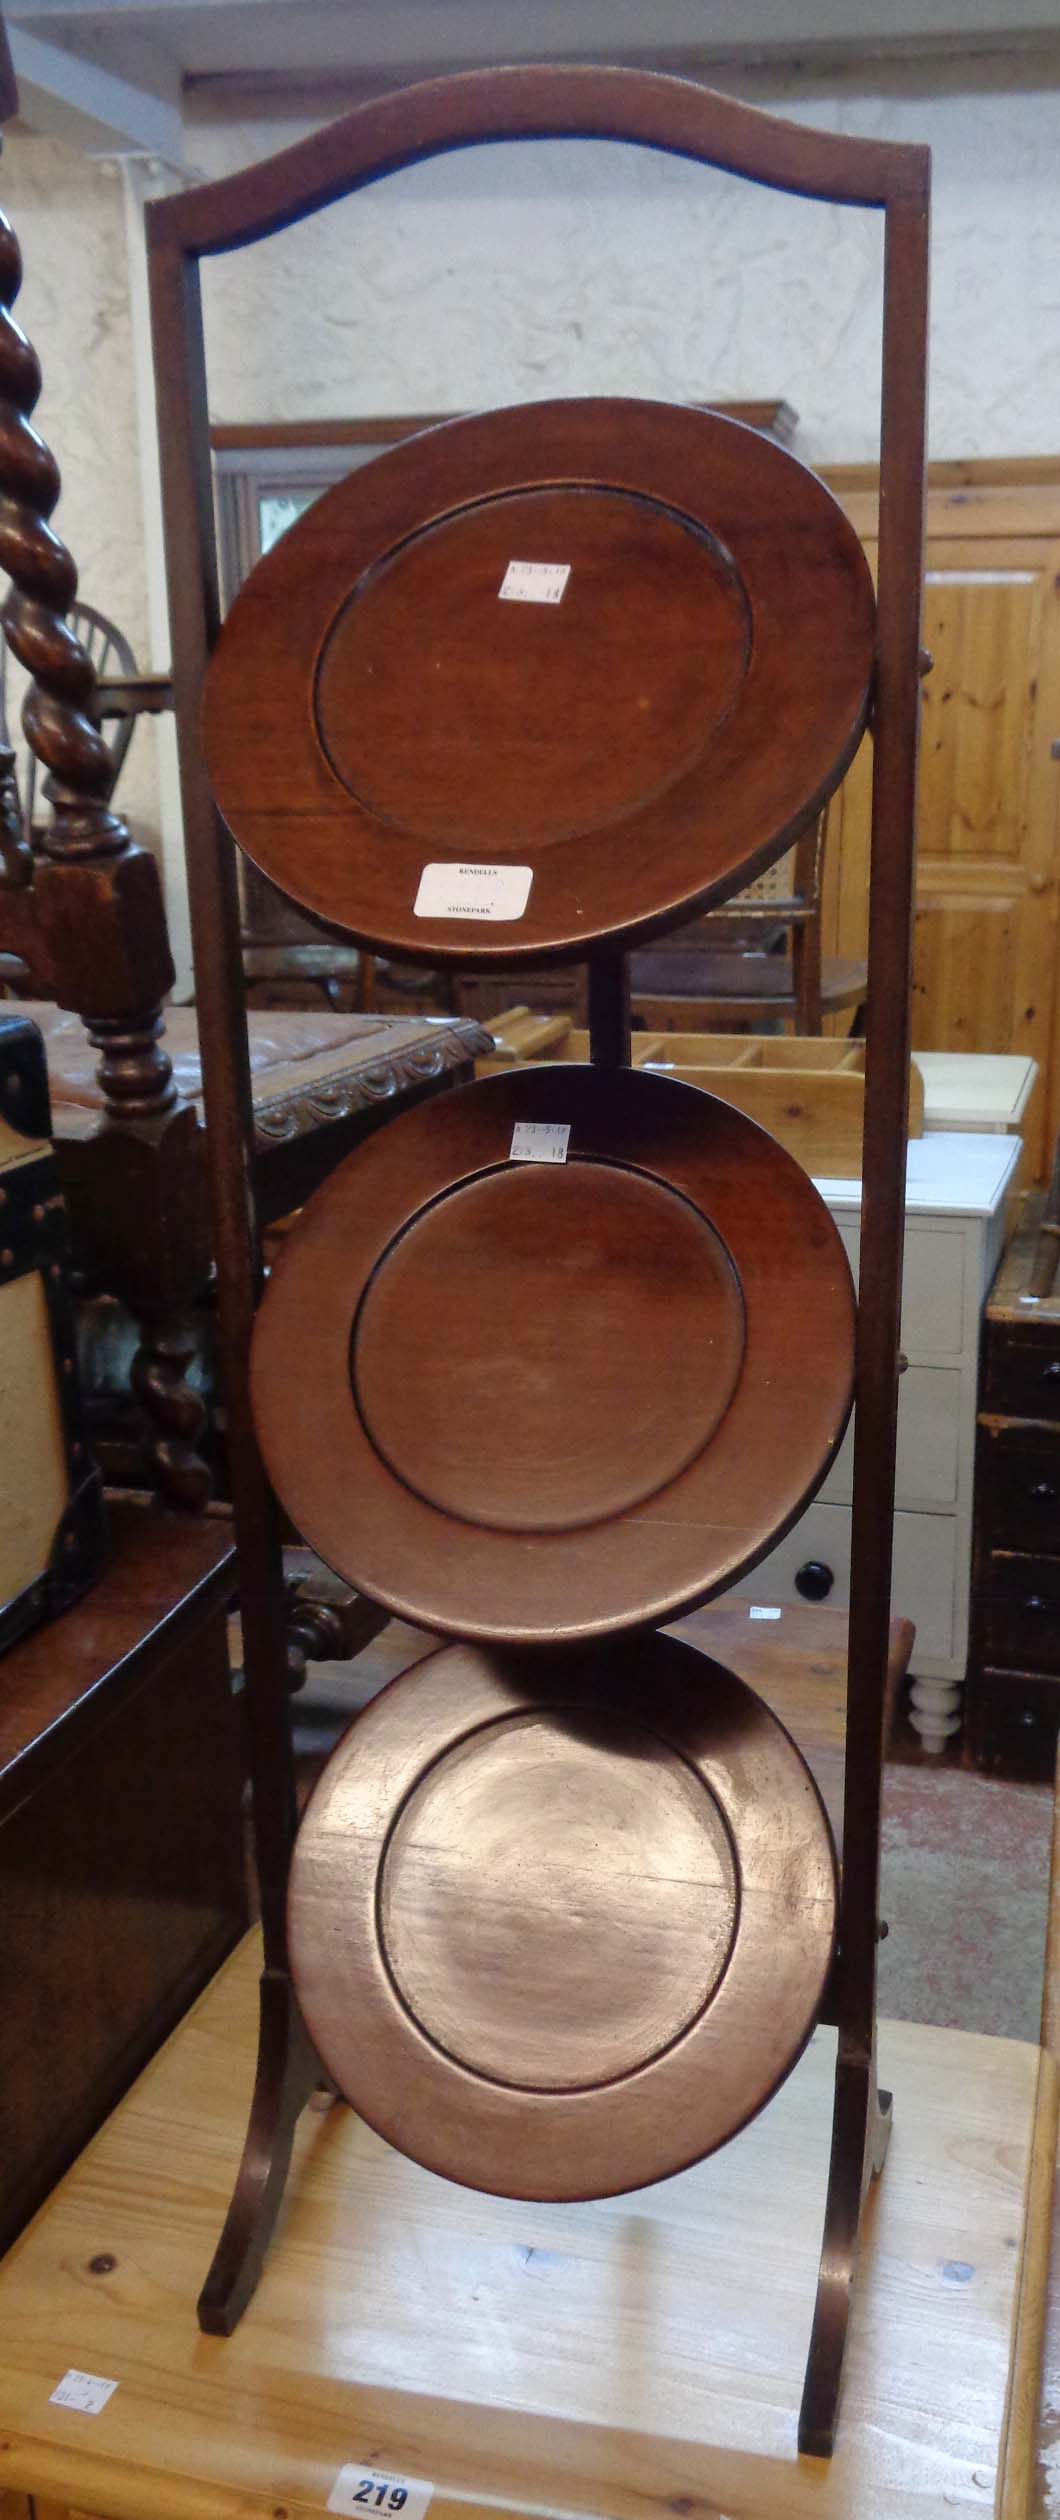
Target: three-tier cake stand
[{"x": 554, "y": 1358}]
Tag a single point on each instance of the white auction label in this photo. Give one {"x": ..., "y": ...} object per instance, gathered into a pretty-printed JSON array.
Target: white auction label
[
  {"x": 534, "y": 582},
  {"x": 756, "y": 1613},
  {"x": 377, "y": 2489},
  {"x": 540, "y": 1141},
  {"x": 473, "y": 892},
  {"x": 84, "y": 2390}
]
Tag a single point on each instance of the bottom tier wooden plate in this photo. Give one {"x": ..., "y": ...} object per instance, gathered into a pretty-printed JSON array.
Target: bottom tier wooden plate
[{"x": 560, "y": 1927}]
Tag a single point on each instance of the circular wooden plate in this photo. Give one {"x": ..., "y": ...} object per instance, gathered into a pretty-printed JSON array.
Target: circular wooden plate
[
  {"x": 533, "y": 1401},
  {"x": 456, "y": 774},
  {"x": 559, "y": 1925}
]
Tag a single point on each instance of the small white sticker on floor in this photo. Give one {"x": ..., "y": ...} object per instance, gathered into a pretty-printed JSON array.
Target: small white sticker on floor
[
  {"x": 756, "y": 1613},
  {"x": 540, "y": 1142},
  {"x": 534, "y": 581},
  {"x": 473, "y": 892},
  {"x": 83, "y": 2390},
  {"x": 377, "y": 2489}
]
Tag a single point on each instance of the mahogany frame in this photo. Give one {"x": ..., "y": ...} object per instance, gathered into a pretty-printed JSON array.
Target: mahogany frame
[{"x": 374, "y": 140}]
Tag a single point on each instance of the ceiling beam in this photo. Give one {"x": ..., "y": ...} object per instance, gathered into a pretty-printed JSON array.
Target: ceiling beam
[
  {"x": 27, "y": 12},
  {"x": 361, "y": 35},
  {"x": 72, "y": 99},
  {"x": 444, "y": 25},
  {"x": 1036, "y": 61}
]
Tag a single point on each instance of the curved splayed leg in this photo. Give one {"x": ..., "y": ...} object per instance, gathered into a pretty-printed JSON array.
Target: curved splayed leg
[
  {"x": 861, "y": 2126},
  {"x": 287, "y": 2073}
]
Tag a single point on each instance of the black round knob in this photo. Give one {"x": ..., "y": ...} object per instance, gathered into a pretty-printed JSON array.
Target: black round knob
[
  {"x": 1031, "y": 1601},
  {"x": 814, "y": 1580},
  {"x": 1051, "y": 1372},
  {"x": 1044, "y": 1490}
]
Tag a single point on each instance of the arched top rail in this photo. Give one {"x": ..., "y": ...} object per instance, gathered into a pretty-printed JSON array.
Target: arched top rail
[{"x": 567, "y": 102}]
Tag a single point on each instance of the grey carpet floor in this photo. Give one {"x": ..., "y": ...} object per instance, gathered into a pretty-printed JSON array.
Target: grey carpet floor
[{"x": 965, "y": 1887}]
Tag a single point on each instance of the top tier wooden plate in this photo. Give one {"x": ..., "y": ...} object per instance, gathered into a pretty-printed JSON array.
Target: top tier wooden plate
[
  {"x": 542, "y": 1401},
  {"x": 575, "y": 771}
]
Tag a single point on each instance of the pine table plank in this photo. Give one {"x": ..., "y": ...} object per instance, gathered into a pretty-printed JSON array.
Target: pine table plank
[{"x": 633, "y": 2358}]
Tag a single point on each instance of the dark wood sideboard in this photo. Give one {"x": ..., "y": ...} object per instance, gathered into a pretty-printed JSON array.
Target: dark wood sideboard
[
  {"x": 121, "y": 1849},
  {"x": 1013, "y": 1696}
]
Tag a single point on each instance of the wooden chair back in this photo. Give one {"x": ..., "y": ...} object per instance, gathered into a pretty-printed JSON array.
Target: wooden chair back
[
  {"x": 755, "y": 958},
  {"x": 110, "y": 656}
]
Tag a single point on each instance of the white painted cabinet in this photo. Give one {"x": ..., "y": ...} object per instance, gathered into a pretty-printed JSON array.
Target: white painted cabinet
[{"x": 955, "y": 1190}]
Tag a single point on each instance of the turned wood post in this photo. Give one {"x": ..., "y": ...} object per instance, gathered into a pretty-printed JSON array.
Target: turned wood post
[{"x": 84, "y": 909}]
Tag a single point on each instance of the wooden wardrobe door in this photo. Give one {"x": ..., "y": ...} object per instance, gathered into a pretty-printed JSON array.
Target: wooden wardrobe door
[{"x": 988, "y": 875}]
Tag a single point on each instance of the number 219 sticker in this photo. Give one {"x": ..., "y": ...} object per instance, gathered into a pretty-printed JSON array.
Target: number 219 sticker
[{"x": 359, "y": 2489}]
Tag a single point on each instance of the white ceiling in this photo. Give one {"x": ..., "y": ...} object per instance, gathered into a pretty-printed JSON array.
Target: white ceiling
[
  {"x": 123, "y": 69},
  {"x": 208, "y": 38}
]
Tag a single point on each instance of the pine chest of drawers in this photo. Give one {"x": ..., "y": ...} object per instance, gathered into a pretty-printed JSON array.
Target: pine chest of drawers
[{"x": 955, "y": 1222}]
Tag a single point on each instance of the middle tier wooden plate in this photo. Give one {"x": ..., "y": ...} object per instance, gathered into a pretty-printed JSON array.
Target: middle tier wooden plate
[
  {"x": 541, "y": 679},
  {"x": 532, "y": 1401},
  {"x": 560, "y": 1924}
]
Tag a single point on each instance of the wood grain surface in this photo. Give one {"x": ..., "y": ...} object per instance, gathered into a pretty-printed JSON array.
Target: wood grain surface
[
  {"x": 1044, "y": 2502},
  {"x": 559, "y": 1928},
  {"x": 121, "y": 1775},
  {"x": 445, "y": 1327},
  {"x": 640, "y": 746},
  {"x": 621, "y": 2358},
  {"x": 165, "y": 1571},
  {"x": 795, "y": 1659},
  {"x": 988, "y": 859},
  {"x": 640, "y": 1280}
]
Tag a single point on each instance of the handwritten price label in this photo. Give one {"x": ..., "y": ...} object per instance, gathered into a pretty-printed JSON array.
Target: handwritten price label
[
  {"x": 540, "y": 1142},
  {"x": 534, "y": 582},
  {"x": 84, "y": 2391}
]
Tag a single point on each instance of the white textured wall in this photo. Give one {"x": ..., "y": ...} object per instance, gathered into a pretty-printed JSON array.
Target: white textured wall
[
  {"x": 68, "y": 216},
  {"x": 507, "y": 273}
]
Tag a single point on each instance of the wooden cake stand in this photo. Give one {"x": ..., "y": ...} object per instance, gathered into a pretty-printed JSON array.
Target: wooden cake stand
[{"x": 551, "y": 811}]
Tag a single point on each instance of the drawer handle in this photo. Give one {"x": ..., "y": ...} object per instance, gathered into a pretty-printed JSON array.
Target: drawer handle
[
  {"x": 814, "y": 1580},
  {"x": 1031, "y": 1601},
  {"x": 1043, "y": 1491},
  {"x": 1051, "y": 1372}
]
